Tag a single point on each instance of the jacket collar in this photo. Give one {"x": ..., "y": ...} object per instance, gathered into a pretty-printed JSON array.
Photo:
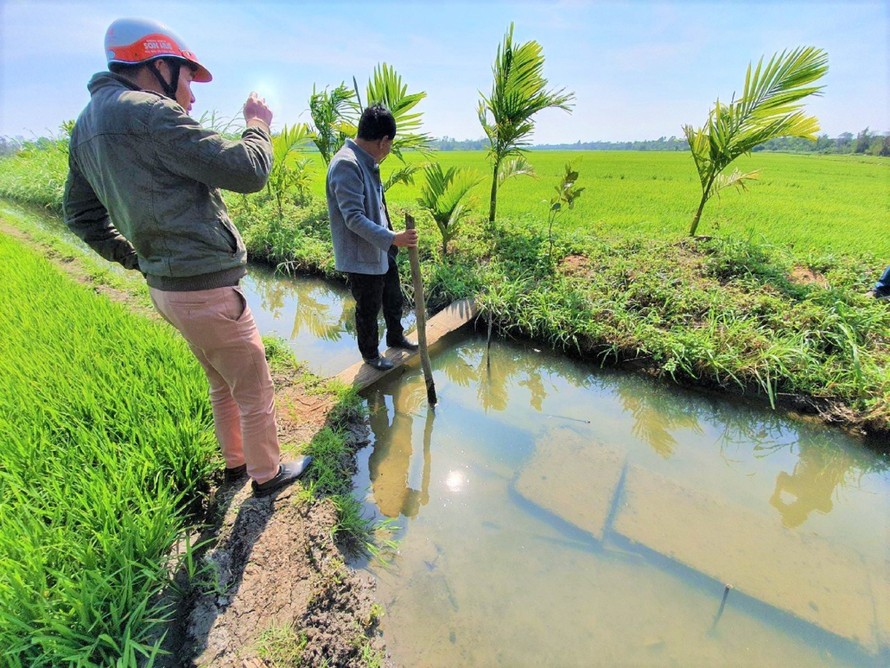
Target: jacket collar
[
  {"x": 364, "y": 157},
  {"x": 102, "y": 79}
]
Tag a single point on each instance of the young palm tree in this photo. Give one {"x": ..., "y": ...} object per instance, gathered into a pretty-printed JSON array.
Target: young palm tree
[
  {"x": 518, "y": 93},
  {"x": 385, "y": 87},
  {"x": 335, "y": 116},
  {"x": 444, "y": 196},
  {"x": 769, "y": 108},
  {"x": 288, "y": 171},
  {"x": 566, "y": 193},
  {"x": 332, "y": 115}
]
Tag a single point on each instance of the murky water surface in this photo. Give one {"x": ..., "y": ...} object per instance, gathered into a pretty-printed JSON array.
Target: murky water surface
[
  {"x": 315, "y": 316},
  {"x": 552, "y": 513},
  {"x": 555, "y": 514}
]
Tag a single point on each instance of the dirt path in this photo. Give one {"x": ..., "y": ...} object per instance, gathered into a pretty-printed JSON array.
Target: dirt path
[{"x": 273, "y": 588}]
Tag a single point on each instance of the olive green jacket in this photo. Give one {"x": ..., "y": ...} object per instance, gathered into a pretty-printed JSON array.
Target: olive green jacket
[{"x": 143, "y": 186}]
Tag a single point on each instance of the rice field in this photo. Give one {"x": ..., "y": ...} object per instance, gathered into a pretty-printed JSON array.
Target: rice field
[
  {"x": 805, "y": 203},
  {"x": 107, "y": 433}
]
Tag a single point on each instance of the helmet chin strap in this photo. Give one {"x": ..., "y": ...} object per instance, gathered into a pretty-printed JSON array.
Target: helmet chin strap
[{"x": 169, "y": 87}]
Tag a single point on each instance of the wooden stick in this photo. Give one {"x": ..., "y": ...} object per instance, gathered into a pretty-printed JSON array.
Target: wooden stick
[{"x": 420, "y": 308}]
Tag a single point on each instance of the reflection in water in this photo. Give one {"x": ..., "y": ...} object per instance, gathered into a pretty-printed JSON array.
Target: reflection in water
[
  {"x": 394, "y": 481},
  {"x": 819, "y": 470},
  {"x": 316, "y": 308},
  {"x": 493, "y": 375},
  {"x": 655, "y": 415},
  {"x": 445, "y": 600},
  {"x": 314, "y": 316}
]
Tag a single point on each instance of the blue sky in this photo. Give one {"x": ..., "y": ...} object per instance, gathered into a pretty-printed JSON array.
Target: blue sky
[{"x": 639, "y": 69}]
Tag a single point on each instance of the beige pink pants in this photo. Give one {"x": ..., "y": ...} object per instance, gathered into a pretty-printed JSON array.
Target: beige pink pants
[{"x": 220, "y": 330}]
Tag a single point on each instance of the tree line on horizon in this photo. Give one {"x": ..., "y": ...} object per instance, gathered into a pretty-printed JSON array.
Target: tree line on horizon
[{"x": 865, "y": 142}]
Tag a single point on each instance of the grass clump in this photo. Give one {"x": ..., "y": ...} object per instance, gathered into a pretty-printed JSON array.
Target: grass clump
[
  {"x": 717, "y": 312},
  {"x": 281, "y": 646},
  {"x": 36, "y": 174},
  {"x": 106, "y": 434}
]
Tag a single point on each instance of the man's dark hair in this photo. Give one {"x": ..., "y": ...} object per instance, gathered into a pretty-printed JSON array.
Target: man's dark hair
[
  {"x": 376, "y": 123},
  {"x": 125, "y": 69}
]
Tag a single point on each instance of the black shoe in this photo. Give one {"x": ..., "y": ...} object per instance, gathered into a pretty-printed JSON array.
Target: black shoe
[
  {"x": 379, "y": 363},
  {"x": 402, "y": 343},
  {"x": 287, "y": 473},
  {"x": 235, "y": 473}
]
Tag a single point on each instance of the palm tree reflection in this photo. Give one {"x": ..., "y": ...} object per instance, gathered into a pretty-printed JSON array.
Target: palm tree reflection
[
  {"x": 820, "y": 468},
  {"x": 315, "y": 316},
  {"x": 656, "y": 414},
  {"x": 313, "y": 303}
]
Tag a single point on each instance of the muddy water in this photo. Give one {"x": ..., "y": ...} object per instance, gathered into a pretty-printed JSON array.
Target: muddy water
[
  {"x": 316, "y": 317},
  {"x": 555, "y": 514}
]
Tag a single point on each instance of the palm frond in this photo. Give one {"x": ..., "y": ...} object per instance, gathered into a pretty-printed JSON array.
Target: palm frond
[
  {"x": 735, "y": 180},
  {"x": 386, "y": 87},
  {"x": 404, "y": 174},
  {"x": 519, "y": 90},
  {"x": 777, "y": 88},
  {"x": 517, "y": 166},
  {"x": 286, "y": 142},
  {"x": 333, "y": 114},
  {"x": 770, "y": 107}
]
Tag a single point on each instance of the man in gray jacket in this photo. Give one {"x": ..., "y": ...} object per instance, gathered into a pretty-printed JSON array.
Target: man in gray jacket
[
  {"x": 365, "y": 245},
  {"x": 143, "y": 190}
]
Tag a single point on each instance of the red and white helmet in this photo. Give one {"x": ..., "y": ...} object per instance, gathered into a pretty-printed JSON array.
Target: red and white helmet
[{"x": 134, "y": 41}]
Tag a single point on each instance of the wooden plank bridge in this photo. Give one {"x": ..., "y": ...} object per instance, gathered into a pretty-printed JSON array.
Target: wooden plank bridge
[{"x": 448, "y": 320}]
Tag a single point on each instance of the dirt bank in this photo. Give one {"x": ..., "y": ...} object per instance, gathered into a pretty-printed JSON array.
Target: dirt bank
[{"x": 272, "y": 587}]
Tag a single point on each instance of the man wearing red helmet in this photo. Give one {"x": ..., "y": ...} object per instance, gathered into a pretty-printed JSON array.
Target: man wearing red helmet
[{"x": 143, "y": 190}]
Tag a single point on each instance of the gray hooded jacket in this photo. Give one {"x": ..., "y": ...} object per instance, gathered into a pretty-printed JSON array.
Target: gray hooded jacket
[{"x": 143, "y": 186}]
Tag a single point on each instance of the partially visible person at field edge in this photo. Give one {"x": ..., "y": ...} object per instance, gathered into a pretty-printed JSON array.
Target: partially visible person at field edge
[
  {"x": 365, "y": 245},
  {"x": 882, "y": 287},
  {"x": 143, "y": 190}
]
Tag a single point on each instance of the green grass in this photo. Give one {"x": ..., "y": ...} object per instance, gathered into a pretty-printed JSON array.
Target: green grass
[
  {"x": 107, "y": 436},
  {"x": 36, "y": 176},
  {"x": 807, "y": 203},
  {"x": 106, "y": 433}
]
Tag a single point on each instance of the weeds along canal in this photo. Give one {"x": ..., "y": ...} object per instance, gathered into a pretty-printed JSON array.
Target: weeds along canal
[
  {"x": 549, "y": 510},
  {"x": 552, "y": 512}
]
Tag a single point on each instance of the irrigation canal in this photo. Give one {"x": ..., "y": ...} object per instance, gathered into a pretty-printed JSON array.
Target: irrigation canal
[{"x": 554, "y": 513}]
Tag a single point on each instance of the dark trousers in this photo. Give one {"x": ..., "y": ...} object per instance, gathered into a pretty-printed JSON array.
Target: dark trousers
[
  {"x": 371, "y": 292},
  {"x": 882, "y": 287}
]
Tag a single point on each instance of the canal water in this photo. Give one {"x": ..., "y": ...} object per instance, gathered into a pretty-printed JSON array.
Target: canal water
[
  {"x": 555, "y": 514},
  {"x": 551, "y": 513}
]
